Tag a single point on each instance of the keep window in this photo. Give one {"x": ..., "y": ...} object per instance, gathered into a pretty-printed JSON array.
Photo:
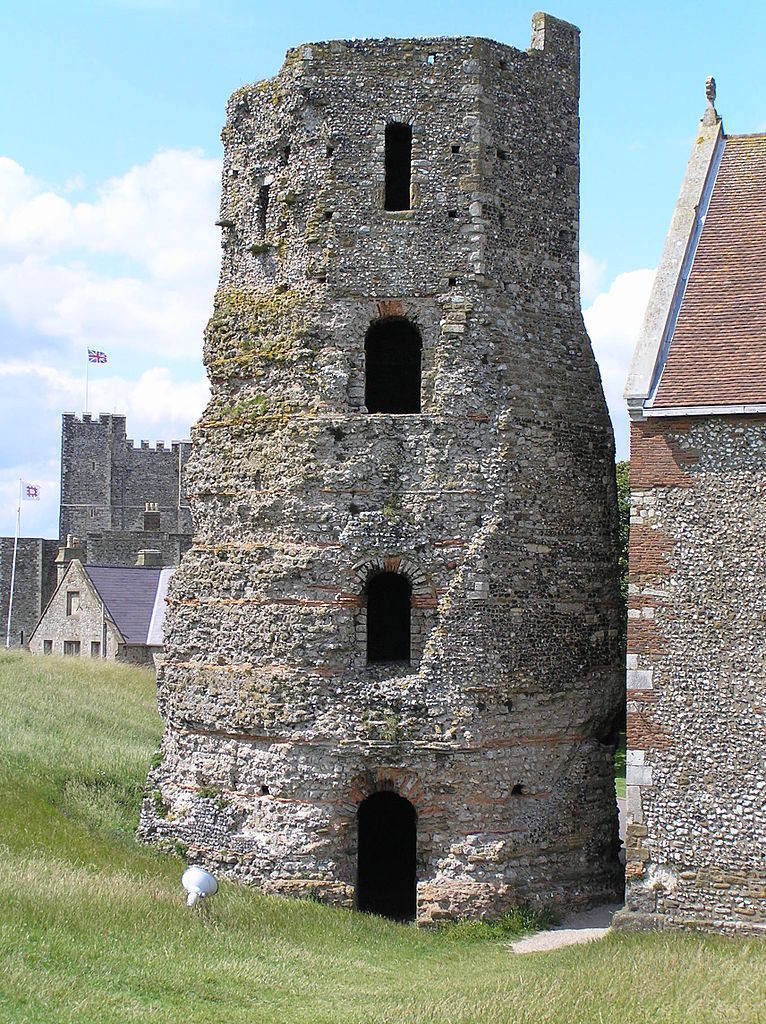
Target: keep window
[
  {"x": 72, "y": 648},
  {"x": 392, "y": 369},
  {"x": 398, "y": 166}
]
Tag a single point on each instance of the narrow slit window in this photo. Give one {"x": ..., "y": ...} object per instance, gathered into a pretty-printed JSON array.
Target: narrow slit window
[
  {"x": 389, "y": 596},
  {"x": 392, "y": 370},
  {"x": 263, "y": 209},
  {"x": 398, "y": 166}
]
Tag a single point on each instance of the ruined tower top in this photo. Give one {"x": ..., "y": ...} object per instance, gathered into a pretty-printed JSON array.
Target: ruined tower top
[{"x": 459, "y": 154}]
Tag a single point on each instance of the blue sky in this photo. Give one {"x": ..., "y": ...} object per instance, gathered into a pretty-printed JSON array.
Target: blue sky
[{"x": 110, "y": 158}]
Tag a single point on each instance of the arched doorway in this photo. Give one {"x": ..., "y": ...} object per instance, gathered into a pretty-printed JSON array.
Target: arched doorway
[
  {"x": 392, "y": 373},
  {"x": 389, "y": 599},
  {"x": 387, "y": 851}
]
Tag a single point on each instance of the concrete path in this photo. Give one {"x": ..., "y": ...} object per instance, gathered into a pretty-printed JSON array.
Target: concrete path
[{"x": 583, "y": 927}]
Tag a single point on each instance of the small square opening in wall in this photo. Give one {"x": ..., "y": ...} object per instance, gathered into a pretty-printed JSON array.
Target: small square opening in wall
[
  {"x": 502, "y": 154},
  {"x": 456, "y": 149},
  {"x": 329, "y": 151},
  {"x": 452, "y": 282},
  {"x": 431, "y": 58},
  {"x": 328, "y": 215},
  {"x": 452, "y": 214}
]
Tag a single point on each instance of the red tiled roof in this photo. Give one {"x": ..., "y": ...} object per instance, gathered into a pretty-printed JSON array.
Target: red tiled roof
[{"x": 717, "y": 354}]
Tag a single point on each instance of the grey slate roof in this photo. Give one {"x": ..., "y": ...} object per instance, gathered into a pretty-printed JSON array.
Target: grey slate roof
[{"x": 129, "y": 595}]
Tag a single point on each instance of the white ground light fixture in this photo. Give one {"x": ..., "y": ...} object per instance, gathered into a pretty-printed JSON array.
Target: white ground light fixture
[{"x": 198, "y": 884}]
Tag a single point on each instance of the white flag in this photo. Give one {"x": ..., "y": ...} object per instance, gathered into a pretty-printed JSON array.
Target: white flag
[{"x": 30, "y": 492}]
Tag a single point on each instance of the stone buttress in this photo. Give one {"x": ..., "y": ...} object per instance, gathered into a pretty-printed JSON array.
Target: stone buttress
[{"x": 494, "y": 499}]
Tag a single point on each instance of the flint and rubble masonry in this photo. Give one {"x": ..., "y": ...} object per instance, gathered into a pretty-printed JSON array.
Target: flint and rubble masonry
[
  {"x": 696, "y": 793},
  {"x": 497, "y": 501}
]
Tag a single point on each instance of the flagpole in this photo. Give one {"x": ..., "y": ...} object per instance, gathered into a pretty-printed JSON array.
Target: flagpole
[
  {"x": 13, "y": 570},
  {"x": 87, "y": 364}
]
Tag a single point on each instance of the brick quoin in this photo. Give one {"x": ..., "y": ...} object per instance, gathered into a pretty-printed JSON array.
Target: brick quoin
[
  {"x": 644, "y": 731},
  {"x": 649, "y": 550},
  {"x": 656, "y": 456}
]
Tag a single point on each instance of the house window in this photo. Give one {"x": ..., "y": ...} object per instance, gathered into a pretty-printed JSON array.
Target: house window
[
  {"x": 47, "y": 647},
  {"x": 95, "y": 649},
  {"x": 72, "y": 602},
  {"x": 72, "y": 648},
  {"x": 389, "y": 596},
  {"x": 398, "y": 166},
  {"x": 392, "y": 366}
]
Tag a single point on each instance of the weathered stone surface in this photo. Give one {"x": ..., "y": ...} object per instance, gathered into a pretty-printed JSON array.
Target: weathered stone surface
[{"x": 497, "y": 501}]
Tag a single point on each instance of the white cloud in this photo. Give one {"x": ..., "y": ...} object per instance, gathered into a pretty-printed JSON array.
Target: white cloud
[
  {"x": 131, "y": 271},
  {"x": 135, "y": 268},
  {"x": 154, "y": 403},
  {"x": 591, "y": 275},
  {"x": 614, "y": 321}
]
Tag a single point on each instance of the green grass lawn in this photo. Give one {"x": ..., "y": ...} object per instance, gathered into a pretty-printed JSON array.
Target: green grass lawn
[
  {"x": 619, "y": 767},
  {"x": 94, "y": 928}
]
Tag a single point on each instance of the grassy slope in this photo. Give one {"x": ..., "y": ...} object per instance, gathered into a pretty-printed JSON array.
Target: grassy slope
[{"x": 94, "y": 928}]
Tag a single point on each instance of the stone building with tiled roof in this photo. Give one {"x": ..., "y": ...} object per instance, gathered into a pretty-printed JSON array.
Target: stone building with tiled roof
[
  {"x": 696, "y": 794},
  {"x": 105, "y": 611}
]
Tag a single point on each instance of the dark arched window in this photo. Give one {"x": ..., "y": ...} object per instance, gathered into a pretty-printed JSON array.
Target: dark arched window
[
  {"x": 387, "y": 856},
  {"x": 398, "y": 166},
  {"x": 392, "y": 366},
  {"x": 388, "y": 618}
]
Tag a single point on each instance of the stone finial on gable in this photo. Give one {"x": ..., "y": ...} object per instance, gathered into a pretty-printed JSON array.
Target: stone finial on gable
[{"x": 711, "y": 115}]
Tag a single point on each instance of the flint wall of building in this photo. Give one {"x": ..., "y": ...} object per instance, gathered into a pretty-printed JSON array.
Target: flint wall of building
[{"x": 696, "y": 774}]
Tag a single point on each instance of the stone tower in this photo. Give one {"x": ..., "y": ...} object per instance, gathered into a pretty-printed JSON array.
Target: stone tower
[{"x": 392, "y": 667}]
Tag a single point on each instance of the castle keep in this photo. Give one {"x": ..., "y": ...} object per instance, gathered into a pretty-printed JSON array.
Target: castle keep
[
  {"x": 392, "y": 669},
  {"x": 117, "y": 499}
]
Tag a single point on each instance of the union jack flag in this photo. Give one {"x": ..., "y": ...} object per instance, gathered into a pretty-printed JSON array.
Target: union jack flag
[{"x": 96, "y": 357}]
